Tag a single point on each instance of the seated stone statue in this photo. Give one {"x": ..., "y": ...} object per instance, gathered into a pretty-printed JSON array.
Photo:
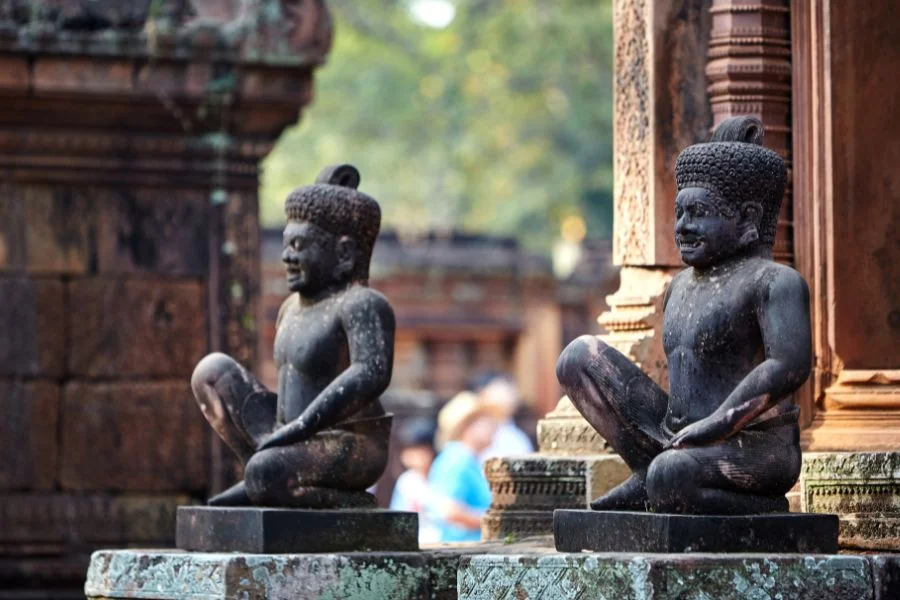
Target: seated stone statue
[
  {"x": 736, "y": 333},
  {"x": 323, "y": 439}
]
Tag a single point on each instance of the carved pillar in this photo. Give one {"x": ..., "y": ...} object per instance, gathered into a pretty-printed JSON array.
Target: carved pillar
[
  {"x": 660, "y": 107},
  {"x": 848, "y": 215},
  {"x": 129, "y": 151},
  {"x": 749, "y": 73}
]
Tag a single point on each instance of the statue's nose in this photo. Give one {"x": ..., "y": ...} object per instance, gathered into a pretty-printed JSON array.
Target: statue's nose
[{"x": 288, "y": 256}]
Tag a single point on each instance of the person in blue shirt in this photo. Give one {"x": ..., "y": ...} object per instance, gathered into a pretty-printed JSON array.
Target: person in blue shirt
[{"x": 462, "y": 495}]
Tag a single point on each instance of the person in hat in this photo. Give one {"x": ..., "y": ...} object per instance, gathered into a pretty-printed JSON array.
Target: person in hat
[{"x": 466, "y": 426}]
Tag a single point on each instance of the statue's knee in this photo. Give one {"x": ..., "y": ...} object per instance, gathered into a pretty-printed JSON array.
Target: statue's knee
[
  {"x": 263, "y": 472},
  {"x": 209, "y": 370},
  {"x": 671, "y": 481},
  {"x": 575, "y": 358}
]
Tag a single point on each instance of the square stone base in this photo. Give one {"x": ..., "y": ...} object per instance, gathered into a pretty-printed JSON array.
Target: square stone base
[
  {"x": 678, "y": 577},
  {"x": 281, "y": 530},
  {"x": 600, "y": 531}
]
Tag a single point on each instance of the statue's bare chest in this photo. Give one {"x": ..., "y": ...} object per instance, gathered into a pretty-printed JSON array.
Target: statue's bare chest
[
  {"x": 710, "y": 317},
  {"x": 311, "y": 340}
]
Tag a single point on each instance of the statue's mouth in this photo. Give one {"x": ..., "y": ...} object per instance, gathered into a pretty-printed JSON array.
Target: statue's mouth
[
  {"x": 689, "y": 243},
  {"x": 295, "y": 274}
]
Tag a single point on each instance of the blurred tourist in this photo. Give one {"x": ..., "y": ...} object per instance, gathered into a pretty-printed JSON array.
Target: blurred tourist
[
  {"x": 501, "y": 395},
  {"x": 466, "y": 426},
  {"x": 412, "y": 492}
]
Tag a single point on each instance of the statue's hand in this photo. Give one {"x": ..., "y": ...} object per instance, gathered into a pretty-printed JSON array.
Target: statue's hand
[
  {"x": 289, "y": 434},
  {"x": 702, "y": 433}
]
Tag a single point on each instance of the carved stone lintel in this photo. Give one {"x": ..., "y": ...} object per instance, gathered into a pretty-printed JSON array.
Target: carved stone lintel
[
  {"x": 863, "y": 488},
  {"x": 525, "y": 490}
]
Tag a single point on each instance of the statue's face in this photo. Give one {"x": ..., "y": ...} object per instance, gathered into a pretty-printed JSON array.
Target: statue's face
[
  {"x": 704, "y": 235},
  {"x": 310, "y": 258}
]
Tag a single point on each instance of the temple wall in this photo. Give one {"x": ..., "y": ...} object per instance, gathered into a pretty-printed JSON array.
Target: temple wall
[{"x": 129, "y": 146}]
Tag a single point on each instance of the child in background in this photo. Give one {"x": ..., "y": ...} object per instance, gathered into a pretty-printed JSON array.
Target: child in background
[{"x": 412, "y": 492}]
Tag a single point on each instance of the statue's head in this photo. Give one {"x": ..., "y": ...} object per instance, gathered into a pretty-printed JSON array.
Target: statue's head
[
  {"x": 331, "y": 230},
  {"x": 729, "y": 194}
]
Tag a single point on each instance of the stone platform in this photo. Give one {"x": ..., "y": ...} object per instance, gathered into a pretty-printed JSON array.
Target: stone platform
[
  {"x": 279, "y": 530},
  {"x": 678, "y": 577},
  {"x": 430, "y": 574},
  {"x": 598, "y": 531},
  {"x": 173, "y": 575}
]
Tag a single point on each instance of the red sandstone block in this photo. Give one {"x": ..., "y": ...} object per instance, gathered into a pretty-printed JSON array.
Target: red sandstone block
[
  {"x": 135, "y": 436},
  {"x": 76, "y": 519},
  {"x": 157, "y": 231},
  {"x": 13, "y": 73},
  {"x": 136, "y": 328},
  {"x": 28, "y": 442},
  {"x": 32, "y": 327},
  {"x": 45, "y": 229},
  {"x": 83, "y": 75}
]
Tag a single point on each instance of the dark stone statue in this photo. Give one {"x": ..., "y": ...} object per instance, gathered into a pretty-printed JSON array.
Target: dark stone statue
[
  {"x": 736, "y": 333},
  {"x": 323, "y": 438}
]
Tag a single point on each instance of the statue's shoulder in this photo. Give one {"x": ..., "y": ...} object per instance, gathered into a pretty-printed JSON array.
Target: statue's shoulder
[
  {"x": 776, "y": 279},
  {"x": 361, "y": 299}
]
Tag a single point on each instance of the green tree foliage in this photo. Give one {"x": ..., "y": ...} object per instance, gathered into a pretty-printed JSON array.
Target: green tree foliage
[{"x": 500, "y": 122}]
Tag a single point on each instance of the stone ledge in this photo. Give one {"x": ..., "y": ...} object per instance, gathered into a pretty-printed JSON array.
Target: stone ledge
[
  {"x": 681, "y": 577},
  {"x": 164, "y": 575}
]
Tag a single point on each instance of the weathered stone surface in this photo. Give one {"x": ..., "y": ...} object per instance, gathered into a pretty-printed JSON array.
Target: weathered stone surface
[
  {"x": 664, "y": 577},
  {"x": 77, "y": 519},
  {"x": 127, "y": 327},
  {"x": 863, "y": 488},
  {"x": 143, "y": 437},
  {"x": 161, "y": 575},
  {"x": 886, "y": 575},
  {"x": 28, "y": 435},
  {"x": 32, "y": 318},
  {"x": 526, "y": 489},
  {"x": 45, "y": 229},
  {"x": 276, "y": 530},
  {"x": 563, "y": 431},
  {"x": 851, "y": 482},
  {"x": 608, "y": 531},
  {"x": 151, "y": 231}
]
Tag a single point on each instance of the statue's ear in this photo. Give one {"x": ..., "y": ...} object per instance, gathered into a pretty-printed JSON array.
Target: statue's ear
[
  {"x": 346, "y": 256},
  {"x": 751, "y": 214}
]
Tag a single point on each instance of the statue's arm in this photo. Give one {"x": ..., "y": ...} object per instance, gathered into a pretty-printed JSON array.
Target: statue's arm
[
  {"x": 783, "y": 314},
  {"x": 369, "y": 324}
]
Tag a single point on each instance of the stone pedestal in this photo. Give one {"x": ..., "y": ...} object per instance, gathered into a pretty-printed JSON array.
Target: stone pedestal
[
  {"x": 578, "y": 530},
  {"x": 275, "y": 530},
  {"x": 863, "y": 488},
  {"x": 527, "y": 489},
  {"x": 572, "y": 468},
  {"x": 679, "y": 577}
]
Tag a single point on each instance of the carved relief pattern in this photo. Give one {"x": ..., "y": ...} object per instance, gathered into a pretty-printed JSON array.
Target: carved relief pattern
[
  {"x": 749, "y": 73},
  {"x": 631, "y": 134}
]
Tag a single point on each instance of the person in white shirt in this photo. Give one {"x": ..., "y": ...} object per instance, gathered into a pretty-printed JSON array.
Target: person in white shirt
[
  {"x": 412, "y": 491},
  {"x": 501, "y": 394}
]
